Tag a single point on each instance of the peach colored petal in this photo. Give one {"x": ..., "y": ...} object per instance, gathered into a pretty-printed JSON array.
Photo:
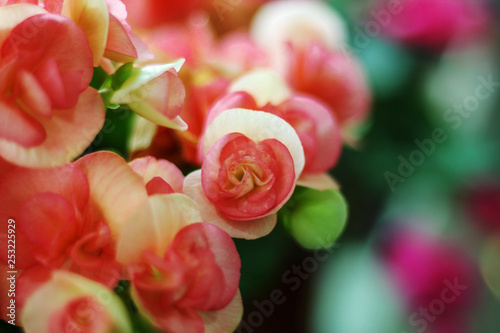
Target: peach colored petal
[
  {"x": 257, "y": 126},
  {"x": 12, "y": 15},
  {"x": 239, "y": 229},
  {"x": 119, "y": 46},
  {"x": 69, "y": 133},
  {"x": 318, "y": 181},
  {"x": 115, "y": 189},
  {"x": 62, "y": 288},
  {"x": 93, "y": 18},
  {"x": 19, "y": 127},
  {"x": 149, "y": 167},
  {"x": 226, "y": 319},
  {"x": 263, "y": 85},
  {"x": 156, "y": 93},
  {"x": 154, "y": 224}
]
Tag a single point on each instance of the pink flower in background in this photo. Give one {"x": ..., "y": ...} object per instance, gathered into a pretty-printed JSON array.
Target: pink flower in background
[
  {"x": 315, "y": 126},
  {"x": 333, "y": 77},
  {"x": 482, "y": 203},
  {"x": 437, "y": 23},
  {"x": 427, "y": 270},
  {"x": 184, "y": 274},
  {"x": 69, "y": 217},
  {"x": 49, "y": 114}
]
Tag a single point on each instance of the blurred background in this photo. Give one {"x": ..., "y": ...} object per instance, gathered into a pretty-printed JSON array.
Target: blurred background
[{"x": 421, "y": 249}]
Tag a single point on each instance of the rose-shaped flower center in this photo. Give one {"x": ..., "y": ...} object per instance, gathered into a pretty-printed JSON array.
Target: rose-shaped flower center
[
  {"x": 245, "y": 179},
  {"x": 83, "y": 314}
]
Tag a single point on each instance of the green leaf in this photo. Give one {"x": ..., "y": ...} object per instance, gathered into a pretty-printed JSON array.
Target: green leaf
[
  {"x": 122, "y": 75},
  {"x": 315, "y": 218}
]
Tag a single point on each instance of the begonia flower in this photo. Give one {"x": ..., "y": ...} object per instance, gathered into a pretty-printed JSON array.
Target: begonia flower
[
  {"x": 316, "y": 127},
  {"x": 69, "y": 302},
  {"x": 252, "y": 160},
  {"x": 49, "y": 114},
  {"x": 69, "y": 217},
  {"x": 184, "y": 274},
  {"x": 334, "y": 77},
  {"x": 279, "y": 24},
  {"x": 435, "y": 24}
]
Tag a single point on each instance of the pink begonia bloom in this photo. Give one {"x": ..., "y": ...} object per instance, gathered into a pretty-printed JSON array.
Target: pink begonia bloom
[
  {"x": 252, "y": 160},
  {"x": 482, "y": 203},
  {"x": 184, "y": 274},
  {"x": 435, "y": 24},
  {"x": 68, "y": 302},
  {"x": 48, "y": 113},
  {"x": 279, "y": 24},
  {"x": 426, "y": 269},
  {"x": 334, "y": 77},
  {"x": 160, "y": 176},
  {"x": 69, "y": 217},
  {"x": 316, "y": 127}
]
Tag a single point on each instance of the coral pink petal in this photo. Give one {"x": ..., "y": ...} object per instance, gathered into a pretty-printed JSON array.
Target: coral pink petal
[
  {"x": 257, "y": 126},
  {"x": 239, "y": 229},
  {"x": 60, "y": 40},
  {"x": 119, "y": 46},
  {"x": 153, "y": 226},
  {"x": 18, "y": 127},
  {"x": 226, "y": 319},
  {"x": 12, "y": 15},
  {"x": 29, "y": 281},
  {"x": 115, "y": 189},
  {"x": 149, "y": 167},
  {"x": 44, "y": 216},
  {"x": 226, "y": 257},
  {"x": 33, "y": 95},
  {"x": 181, "y": 321},
  {"x": 158, "y": 186},
  {"x": 18, "y": 185},
  {"x": 327, "y": 132},
  {"x": 69, "y": 133}
]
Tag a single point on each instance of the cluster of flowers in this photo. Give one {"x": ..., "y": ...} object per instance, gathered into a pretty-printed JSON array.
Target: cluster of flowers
[{"x": 260, "y": 111}]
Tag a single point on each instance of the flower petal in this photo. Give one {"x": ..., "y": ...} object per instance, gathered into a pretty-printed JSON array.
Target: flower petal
[
  {"x": 93, "y": 18},
  {"x": 239, "y": 229},
  {"x": 119, "y": 46},
  {"x": 115, "y": 189},
  {"x": 226, "y": 319},
  {"x": 149, "y": 167},
  {"x": 264, "y": 86},
  {"x": 257, "y": 126},
  {"x": 69, "y": 133},
  {"x": 154, "y": 224},
  {"x": 318, "y": 181},
  {"x": 12, "y": 15},
  {"x": 62, "y": 288}
]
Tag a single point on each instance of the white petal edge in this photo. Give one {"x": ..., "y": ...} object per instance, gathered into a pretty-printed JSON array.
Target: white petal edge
[
  {"x": 237, "y": 229},
  {"x": 257, "y": 126}
]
